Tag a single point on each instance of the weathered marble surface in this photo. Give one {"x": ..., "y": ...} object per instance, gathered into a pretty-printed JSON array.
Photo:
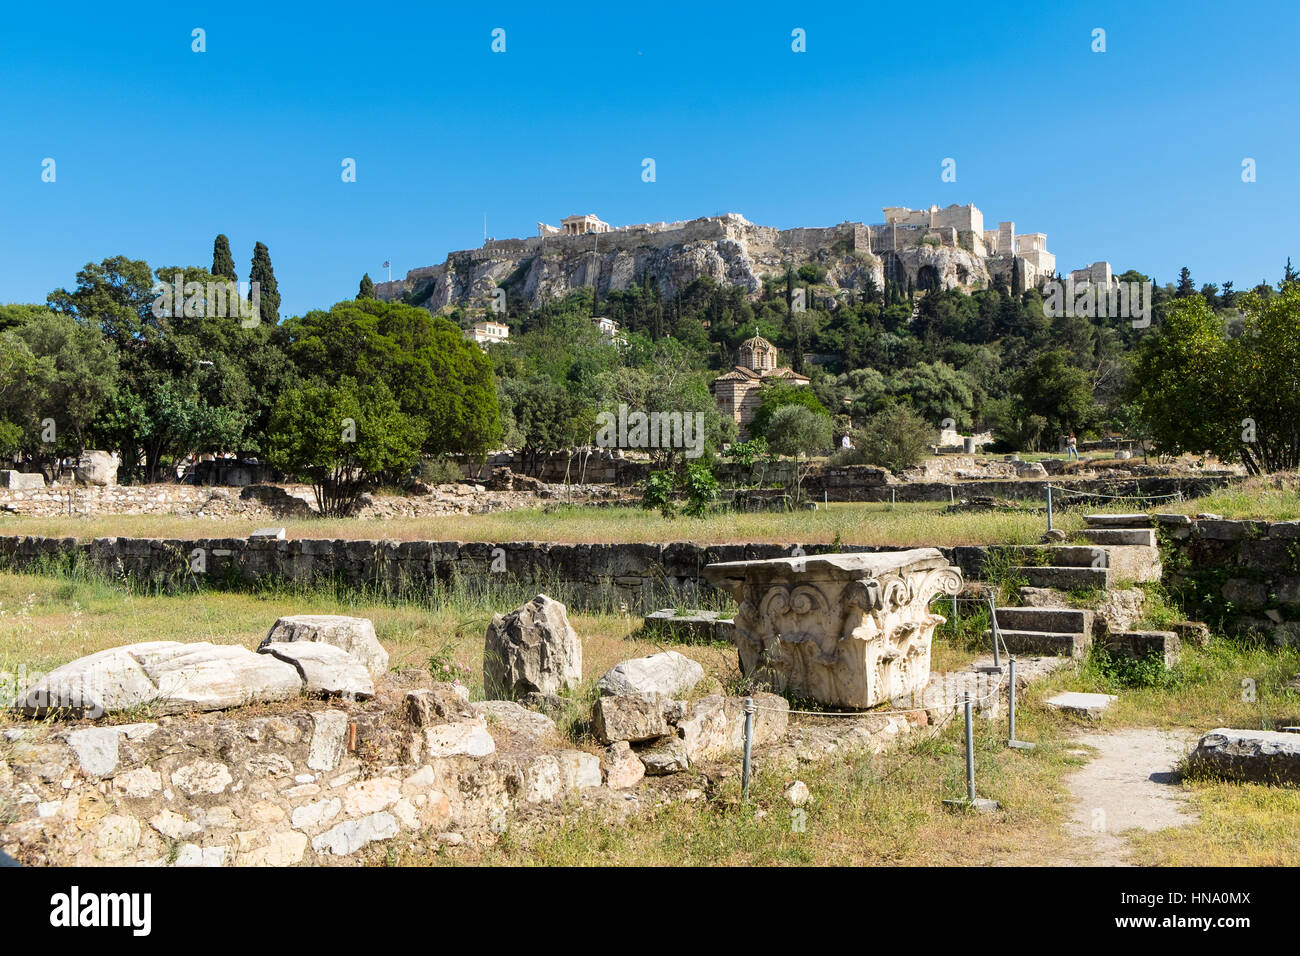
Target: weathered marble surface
[{"x": 845, "y": 629}]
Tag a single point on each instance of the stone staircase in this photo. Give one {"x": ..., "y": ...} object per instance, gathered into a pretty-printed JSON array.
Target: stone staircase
[
  {"x": 1120, "y": 548},
  {"x": 1063, "y": 631}
]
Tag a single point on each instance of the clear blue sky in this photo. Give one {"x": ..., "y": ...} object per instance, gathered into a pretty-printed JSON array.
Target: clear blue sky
[{"x": 1132, "y": 155}]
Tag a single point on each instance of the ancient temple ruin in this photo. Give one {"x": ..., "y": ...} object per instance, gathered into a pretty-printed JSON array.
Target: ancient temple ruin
[{"x": 851, "y": 630}]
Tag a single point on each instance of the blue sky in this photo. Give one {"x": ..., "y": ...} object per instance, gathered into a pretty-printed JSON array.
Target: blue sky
[{"x": 1133, "y": 155}]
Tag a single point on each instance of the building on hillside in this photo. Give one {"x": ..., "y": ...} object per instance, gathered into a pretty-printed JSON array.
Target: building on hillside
[
  {"x": 737, "y": 391},
  {"x": 609, "y": 329},
  {"x": 575, "y": 226},
  {"x": 1099, "y": 273},
  {"x": 487, "y": 332}
]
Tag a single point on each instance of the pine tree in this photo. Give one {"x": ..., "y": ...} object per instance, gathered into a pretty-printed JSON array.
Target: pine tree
[
  {"x": 367, "y": 290},
  {"x": 223, "y": 264},
  {"x": 1290, "y": 275},
  {"x": 1226, "y": 296},
  {"x": 1185, "y": 285},
  {"x": 269, "y": 292}
]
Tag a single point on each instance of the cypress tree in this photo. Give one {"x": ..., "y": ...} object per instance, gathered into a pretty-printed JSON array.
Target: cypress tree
[
  {"x": 264, "y": 275},
  {"x": 223, "y": 264},
  {"x": 367, "y": 290},
  {"x": 1017, "y": 280}
]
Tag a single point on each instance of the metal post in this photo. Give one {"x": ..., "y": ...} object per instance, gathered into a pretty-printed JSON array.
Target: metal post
[
  {"x": 749, "y": 745},
  {"x": 952, "y": 496},
  {"x": 993, "y": 629},
  {"x": 954, "y": 608},
  {"x": 970, "y": 801},
  {"x": 1049, "y": 506},
  {"x": 1011, "y": 715},
  {"x": 891, "y": 498},
  {"x": 970, "y": 752}
]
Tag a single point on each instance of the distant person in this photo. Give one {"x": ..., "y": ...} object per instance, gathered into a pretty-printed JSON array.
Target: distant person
[
  {"x": 1072, "y": 447},
  {"x": 844, "y": 442}
]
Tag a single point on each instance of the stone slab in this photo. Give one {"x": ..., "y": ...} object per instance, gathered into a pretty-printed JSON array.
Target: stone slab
[
  {"x": 1082, "y": 705},
  {"x": 324, "y": 668},
  {"x": 356, "y": 635},
  {"x": 1262, "y": 756}
]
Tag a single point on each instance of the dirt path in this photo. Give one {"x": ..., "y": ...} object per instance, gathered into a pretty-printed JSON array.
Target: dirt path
[{"x": 1129, "y": 784}]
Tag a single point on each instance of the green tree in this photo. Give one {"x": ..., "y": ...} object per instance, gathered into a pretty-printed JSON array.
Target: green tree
[
  {"x": 544, "y": 418},
  {"x": 779, "y": 395},
  {"x": 268, "y": 303},
  {"x": 1059, "y": 392},
  {"x": 1186, "y": 286},
  {"x": 937, "y": 391},
  {"x": 797, "y": 431},
  {"x": 1200, "y": 390},
  {"x": 433, "y": 372},
  {"x": 896, "y": 437},
  {"x": 54, "y": 369},
  {"x": 223, "y": 264},
  {"x": 367, "y": 289},
  {"x": 342, "y": 438}
]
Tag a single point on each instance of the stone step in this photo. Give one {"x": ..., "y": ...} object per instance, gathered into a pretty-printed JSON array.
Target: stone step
[
  {"x": 1142, "y": 536},
  {"x": 1118, "y": 521},
  {"x": 1140, "y": 645},
  {"x": 1060, "y": 620},
  {"x": 1043, "y": 642},
  {"x": 1064, "y": 578},
  {"x": 1076, "y": 556}
]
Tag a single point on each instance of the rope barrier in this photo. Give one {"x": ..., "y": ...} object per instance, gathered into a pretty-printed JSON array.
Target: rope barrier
[
  {"x": 877, "y": 713},
  {"x": 1098, "y": 494}
]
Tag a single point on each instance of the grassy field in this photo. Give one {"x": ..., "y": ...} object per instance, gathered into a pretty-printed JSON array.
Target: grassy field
[
  {"x": 857, "y": 523},
  {"x": 47, "y": 620},
  {"x": 889, "y": 810},
  {"x": 849, "y": 523},
  {"x": 881, "y": 811}
]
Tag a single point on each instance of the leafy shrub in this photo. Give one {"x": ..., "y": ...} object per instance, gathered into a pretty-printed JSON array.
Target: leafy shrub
[
  {"x": 895, "y": 437},
  {"x": 701, "y": 489},
  {"x": 1119, "y": 670},
  {"x": 658, "y": 494},
  {"x": 439, "y": 471}
]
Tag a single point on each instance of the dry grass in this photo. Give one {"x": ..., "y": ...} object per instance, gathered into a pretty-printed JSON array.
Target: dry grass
[
  {"x": 1248, "y": 824},
  {"x": 849, "y": 523},
  {"x": 885, "y": 810},
  {"x": 46, "y": 621}
]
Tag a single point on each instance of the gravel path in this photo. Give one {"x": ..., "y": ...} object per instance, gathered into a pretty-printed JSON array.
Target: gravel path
[{"x": 1128, "y": 785}]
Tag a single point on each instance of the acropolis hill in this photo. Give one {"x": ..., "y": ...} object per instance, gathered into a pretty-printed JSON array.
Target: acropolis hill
[{"x": 916, "y": 245}]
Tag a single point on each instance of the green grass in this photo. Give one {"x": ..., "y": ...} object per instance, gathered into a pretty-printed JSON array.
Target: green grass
[
  {"x": 922, "y": 523},
  {"x": 48, "y": 620},
  {"x": 888, "y": 810},
  {"x": 883, "y": 810}
]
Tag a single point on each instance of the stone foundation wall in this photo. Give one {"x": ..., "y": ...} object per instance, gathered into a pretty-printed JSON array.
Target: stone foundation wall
[
  {"x": 311, "y": 783},
  {"x": 1241, "y": 576},
  {"x": 644, "y": 577}
]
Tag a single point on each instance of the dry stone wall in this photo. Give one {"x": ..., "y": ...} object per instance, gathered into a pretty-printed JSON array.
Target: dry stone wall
[
  {"x": 644, "y": 577},
  {"x": 1243, "y": 576},
  {"x": 305, "y": 783}
]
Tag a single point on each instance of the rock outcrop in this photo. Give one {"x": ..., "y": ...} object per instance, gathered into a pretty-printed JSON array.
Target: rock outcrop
[{"x": 533, "y": 649}]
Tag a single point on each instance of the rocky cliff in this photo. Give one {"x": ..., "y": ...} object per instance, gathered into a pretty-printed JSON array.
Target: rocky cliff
[{"x": 728, "y": 249}]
